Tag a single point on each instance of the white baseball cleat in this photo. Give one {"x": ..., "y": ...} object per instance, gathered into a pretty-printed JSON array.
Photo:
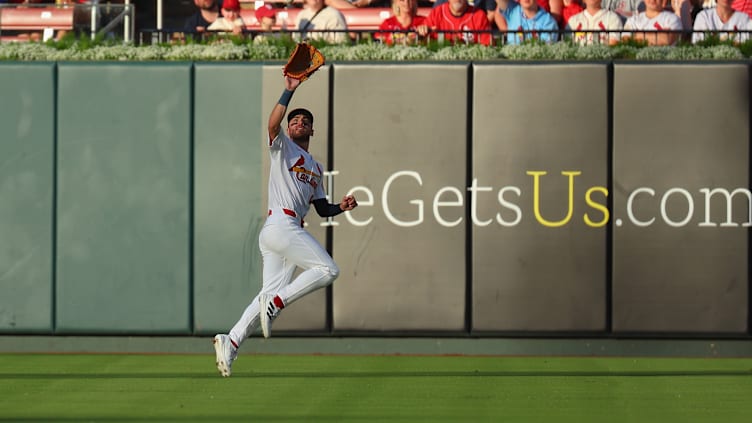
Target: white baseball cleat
[
  {"x": 268, "y": 311},
  {"x": 226, "y": 354}
]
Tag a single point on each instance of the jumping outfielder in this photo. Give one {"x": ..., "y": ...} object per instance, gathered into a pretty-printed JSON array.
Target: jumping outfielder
[{"x": 295, "y": 181}]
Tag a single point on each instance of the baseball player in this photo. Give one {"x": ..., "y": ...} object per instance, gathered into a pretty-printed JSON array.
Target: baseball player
[{"x": 295, "y": 181}]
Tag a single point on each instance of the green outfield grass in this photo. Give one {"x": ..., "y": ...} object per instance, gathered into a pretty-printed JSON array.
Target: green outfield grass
[{"x": 274, "y": 388}]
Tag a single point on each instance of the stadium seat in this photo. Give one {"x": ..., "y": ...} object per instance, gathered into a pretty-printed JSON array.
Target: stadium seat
[{"x": 33, "y": 19}]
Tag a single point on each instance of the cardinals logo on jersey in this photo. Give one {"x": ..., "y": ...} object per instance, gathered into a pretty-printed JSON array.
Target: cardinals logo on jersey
[{"x": 304, "y": 175}]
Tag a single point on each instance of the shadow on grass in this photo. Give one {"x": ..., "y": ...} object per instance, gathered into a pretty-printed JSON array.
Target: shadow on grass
[{"x": 385, "y": 374}]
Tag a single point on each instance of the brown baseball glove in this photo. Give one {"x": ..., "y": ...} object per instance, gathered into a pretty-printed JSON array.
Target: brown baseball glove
[{"x": 304, "y": 61}]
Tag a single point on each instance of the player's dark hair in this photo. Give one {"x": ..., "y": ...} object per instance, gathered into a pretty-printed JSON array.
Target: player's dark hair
[{"x": 300, "y": 111}]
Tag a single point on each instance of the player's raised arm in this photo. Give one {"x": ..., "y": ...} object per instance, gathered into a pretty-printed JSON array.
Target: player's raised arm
[{"x": 278, "y": 112}]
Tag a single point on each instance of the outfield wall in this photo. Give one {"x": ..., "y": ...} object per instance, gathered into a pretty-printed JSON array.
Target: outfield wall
[{"x": 496, "y": 199}]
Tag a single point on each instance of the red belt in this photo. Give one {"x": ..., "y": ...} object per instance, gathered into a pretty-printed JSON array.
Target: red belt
[
  {"x": 286, "y": 211},
  {"x": 289, "y": 213}
]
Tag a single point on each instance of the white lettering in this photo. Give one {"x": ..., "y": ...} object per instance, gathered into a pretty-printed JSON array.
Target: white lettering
[
  {"x": 437, "y": 203},
  {"x": 632, "y": 218},
  {"x": 510, "y": 206},
  {"x": 385, "y": 201},
  {"x": 690, "y": 203},
  {"x": 729, "y": 222},
  {"x": 474, "y": 203},
  {"x": 368, "y": 201}
]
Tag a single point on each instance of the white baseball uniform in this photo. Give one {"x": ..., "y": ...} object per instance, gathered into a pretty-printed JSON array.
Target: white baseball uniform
[
  {"x": 708, "y": 20},
  {"x": 295, "y": 180},
  {"x": 603, "y": 20},
  {"x": 664, "y": 21}
]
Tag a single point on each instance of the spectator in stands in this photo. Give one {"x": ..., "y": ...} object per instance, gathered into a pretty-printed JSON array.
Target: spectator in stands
[
  {"x": 722, "y": 18},
  {"x": 525, "y": 20},
  {"x": 595, "y": 18},
  {"x": 267, "y": 18},
  {"x": 683, "y": 9},
  {"x": 650, "y": 25},
  {"x": 624, "y": 8},
  {"x": 454, "y": 16},
  {"x": 207, "y": 13},
  {"x": 743, "y": 6},
  {"x": 404, "y": 18},
  {"x": 317, "y": 16},
  {"x": 352, "y": 4},
  {"x": 230, "y": 20},
  {"x": 571, "y": 8},
  {"x": 555, "y": 8},
  {"x": 486, "y": 5}
]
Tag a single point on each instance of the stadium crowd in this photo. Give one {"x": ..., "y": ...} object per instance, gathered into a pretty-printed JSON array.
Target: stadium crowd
[{"x": 656, "y": 22}]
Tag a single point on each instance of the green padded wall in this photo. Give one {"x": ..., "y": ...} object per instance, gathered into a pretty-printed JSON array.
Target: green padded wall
[
  {"x": 124, "y": 150},
  {"x": 228, "y": 192},
  {"x": 27, "y": 107}
]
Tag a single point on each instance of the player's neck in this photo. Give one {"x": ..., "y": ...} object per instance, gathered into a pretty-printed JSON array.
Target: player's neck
[{"x": 302, "y": 143}]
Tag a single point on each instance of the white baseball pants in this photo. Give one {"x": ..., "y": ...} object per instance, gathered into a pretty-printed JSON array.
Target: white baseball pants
[{"x": 284, "y": 246}]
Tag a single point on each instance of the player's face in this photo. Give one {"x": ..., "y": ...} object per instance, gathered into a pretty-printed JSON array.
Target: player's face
[{"x": 299, "y": 126}]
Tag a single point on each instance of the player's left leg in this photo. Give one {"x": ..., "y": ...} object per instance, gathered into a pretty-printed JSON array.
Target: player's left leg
[
  {"x": 320, "y": 270},
  {"x": 300, "y": 249}
]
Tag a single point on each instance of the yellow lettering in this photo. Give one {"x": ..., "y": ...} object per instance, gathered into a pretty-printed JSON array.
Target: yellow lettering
[
  {"x": 536, "y": 198},
  {"x": 600, "y": 207}
]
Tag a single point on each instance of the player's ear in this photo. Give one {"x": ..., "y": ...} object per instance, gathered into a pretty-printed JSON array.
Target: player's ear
[{"x": 311, "y": 131}]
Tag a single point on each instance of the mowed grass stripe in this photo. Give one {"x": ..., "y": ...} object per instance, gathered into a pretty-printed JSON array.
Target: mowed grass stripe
[{"x": 187, "y": 388}]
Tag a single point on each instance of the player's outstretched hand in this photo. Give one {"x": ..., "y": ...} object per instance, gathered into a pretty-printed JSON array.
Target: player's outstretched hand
[
  {"x": 348, "y": 203},
  {"x": 291, "y": 83}
]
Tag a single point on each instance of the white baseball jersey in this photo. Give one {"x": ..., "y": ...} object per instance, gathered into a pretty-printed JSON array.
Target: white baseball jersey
[
  {"x": 708, "y": 20},
  {"x": 295, "y": 178},
  {"x": 603, "y": 20},
  {"x": 625, "y": 8},
  {"x": 664, "y": 21}
]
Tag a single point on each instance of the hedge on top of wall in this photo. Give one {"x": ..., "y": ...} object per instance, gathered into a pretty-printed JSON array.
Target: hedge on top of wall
[{"x": 248, "y": 51}]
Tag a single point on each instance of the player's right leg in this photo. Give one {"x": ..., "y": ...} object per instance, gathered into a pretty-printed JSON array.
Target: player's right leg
[{"x": 278, "y": 271}]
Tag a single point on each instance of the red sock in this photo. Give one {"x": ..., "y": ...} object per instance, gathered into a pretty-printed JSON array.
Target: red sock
[{"x": 278, "y": 302}]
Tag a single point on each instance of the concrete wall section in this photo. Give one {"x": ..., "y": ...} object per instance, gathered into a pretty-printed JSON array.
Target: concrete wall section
[
  {"x": 228, "y": 190},
  {"x": 403, "y": 153},
  {"x": 540, "y": 159},
  {"x": 27, "y": 98},
  {"x": 680, "y": 265},
  {"x": 123, "y": 198}
]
